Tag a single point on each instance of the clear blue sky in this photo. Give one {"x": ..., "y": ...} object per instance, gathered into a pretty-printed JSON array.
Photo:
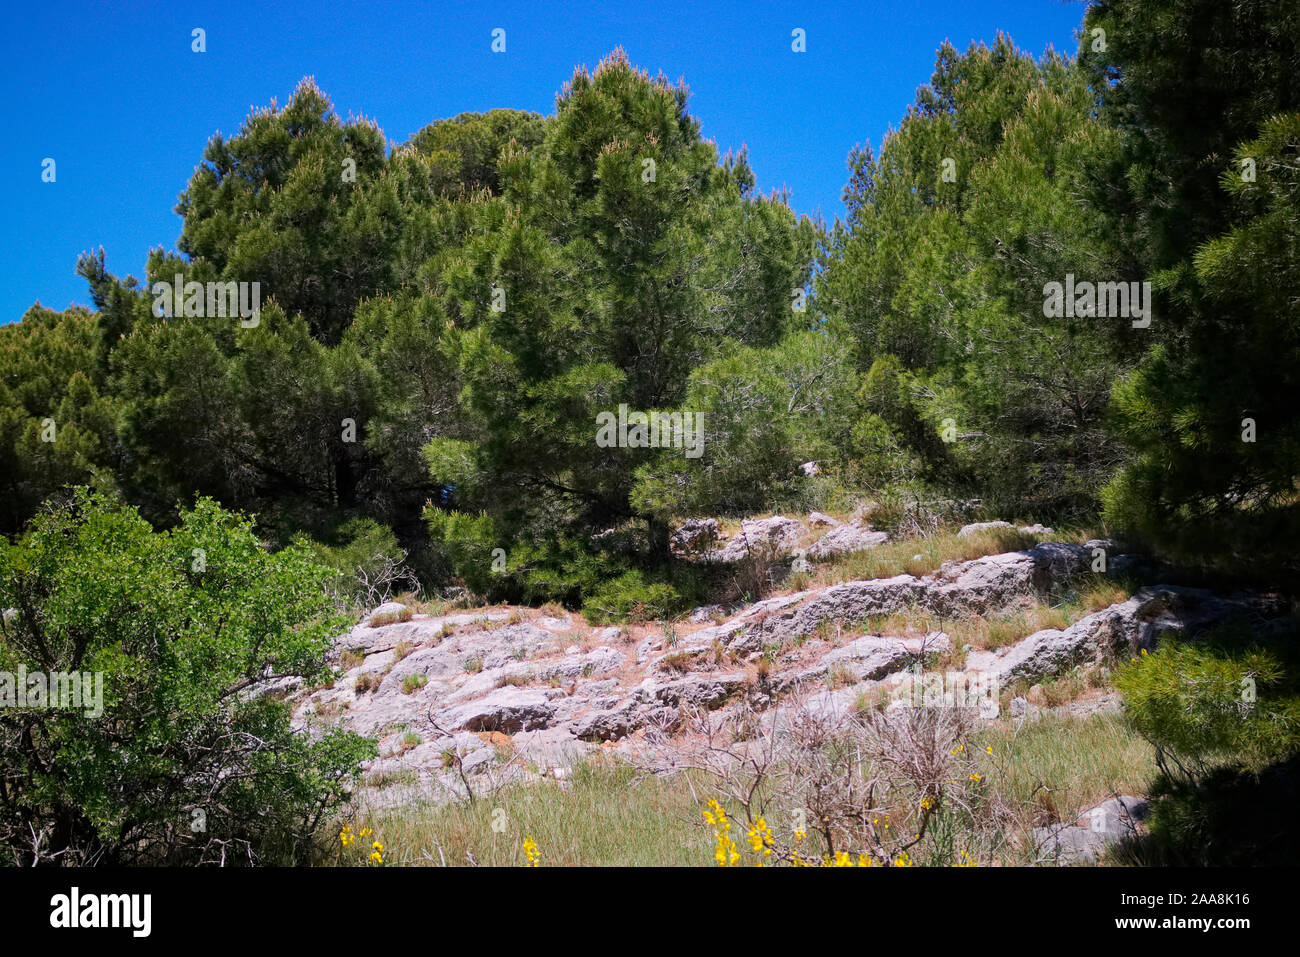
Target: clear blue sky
[{"x": 113, "y": 93}]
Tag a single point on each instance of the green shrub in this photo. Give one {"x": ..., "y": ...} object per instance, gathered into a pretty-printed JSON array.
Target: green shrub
[
  {"x": 181, "y": 625},
  {"x": 464, "y": 543}
]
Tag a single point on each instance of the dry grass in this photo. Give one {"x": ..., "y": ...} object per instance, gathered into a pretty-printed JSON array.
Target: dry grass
[
  {"x": 602, "y": 815},
  {"x": 391, "y": 617},
  {"x": 432, "y": 607},
  {"x": 677, "y": 661},
  {"x": 840, "y": 676},
  {"x": 519, "y": 680},
  {"x": 1054, "y": 767},
  {"x": 1038, "y": 773},
  {"x": 917, "y": 556}
]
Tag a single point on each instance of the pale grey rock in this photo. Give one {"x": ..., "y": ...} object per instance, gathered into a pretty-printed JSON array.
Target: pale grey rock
[
  {"x": 845, "y": 540},
  {"x": 417, "y": 631},
  {"x": 870, "y": 658},
  {"x": 776, "y": 536},
  {"x": 703, "y": 691},
  {"x": 505, "y": 709},
  {"x": 695, "y": 535},
  {"x": 706, "y": 613},
  {"x": 551, "y": 748},
  {"x": 598, "y": 661},
  {"x": 1124, "y": 629},
  {"x": 1098, "y": 828},
  {"x": 608, "y": 724},
  {"x": 648, "y": 646},
  {"x": 977, "y": 527}
]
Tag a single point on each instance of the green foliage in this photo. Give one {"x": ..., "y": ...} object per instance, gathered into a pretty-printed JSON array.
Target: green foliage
[
  {"x": 629, "y": 597},
  {"x": 182, "y": 626},
  {"x": 463, "y": 152},
  {"x": 953, "y": 231},
  {"x": 1221, "y": 700},
  {"x": 57, "y": 425},
  {"x": 275, "y": 204},
  {"x": 465, "y": 543},
  {"x": 629, "y": 258},
  {"x": 1219, "y": 246},
  {"x": 765, "y": 412},
  {"x": 1224, "y": 716},
  {"x": 460, "y": 311},
  {"x": 367, "y": 561},
  {"x": 1233, "y": 817}
]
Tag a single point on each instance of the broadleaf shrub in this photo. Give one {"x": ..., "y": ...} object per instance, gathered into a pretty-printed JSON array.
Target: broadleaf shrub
[{"x": 188, "y": 761}]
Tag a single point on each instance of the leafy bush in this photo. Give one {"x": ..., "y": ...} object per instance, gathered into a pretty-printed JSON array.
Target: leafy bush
[
  {"x": 464, "y": 543},
  {"x": 186, "y": 763},
  {"x": 765, "y": 412}
]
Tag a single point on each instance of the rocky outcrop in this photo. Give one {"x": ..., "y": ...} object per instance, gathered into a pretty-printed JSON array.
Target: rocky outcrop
[
  {"x": 472, "y": 696},
  {"x": 1123, "y": 629},
  {"x": 777, "y": 537},
  {"x": 506, "y": 710},
  {"x": 869, "y": 658},
  {"x": 696, "y": 535}
]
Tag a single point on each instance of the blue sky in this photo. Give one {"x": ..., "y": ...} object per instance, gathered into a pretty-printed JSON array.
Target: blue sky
[{"x": 113, "y": 93}]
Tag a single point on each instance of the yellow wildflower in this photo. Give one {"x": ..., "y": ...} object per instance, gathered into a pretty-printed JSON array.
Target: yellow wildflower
[
  {"x": 532, "y": 853},
  {"x": 760, "y": 839}
]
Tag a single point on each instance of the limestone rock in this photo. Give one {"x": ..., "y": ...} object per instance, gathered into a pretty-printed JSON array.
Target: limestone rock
[
  {"x": 977, "y": 527},
  {"x": 505, "y": 709},
  {"x": 844, "y": 540}
]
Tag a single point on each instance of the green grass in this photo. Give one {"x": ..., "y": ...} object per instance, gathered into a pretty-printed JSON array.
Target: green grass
[
  {"x": 1053, "y": 768},
  {"x": 1050, "y": 769},
  {"x": 602, "y": 818},
  {"x": 413, "y": 683}
]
